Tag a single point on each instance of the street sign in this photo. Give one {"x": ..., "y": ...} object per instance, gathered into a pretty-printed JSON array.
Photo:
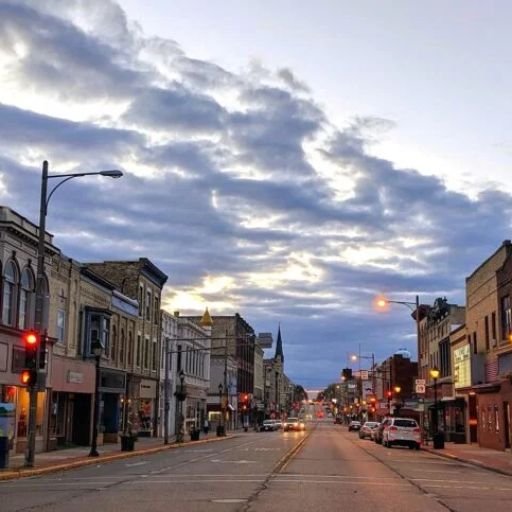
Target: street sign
[
  {"x": 420, "y": 389},
  {"x": 420, "y": 382}
]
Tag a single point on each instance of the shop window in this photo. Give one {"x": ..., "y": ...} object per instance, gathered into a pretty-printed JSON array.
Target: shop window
[
  {"x": 496, "y": 419},
  {"x": 489, "y": 418}
]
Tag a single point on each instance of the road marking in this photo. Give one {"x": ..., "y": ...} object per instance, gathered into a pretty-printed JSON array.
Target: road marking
[
  {"x": 218, "y": 461},
  {"x": 230, "y": 500},
  {"x": 141, "y": 463}
]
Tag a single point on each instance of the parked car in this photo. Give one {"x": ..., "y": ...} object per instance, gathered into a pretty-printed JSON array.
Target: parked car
[
  {"x": 403, "y": 432},
  {"x": 377, "y": 432},
  {"x": 354, "y": 425},
  {"x": 278, "y": 424},
  {"x": 366, "y": 429},
  {"x": 293, "y": 424},
  {"x": 268, "y": 426}
]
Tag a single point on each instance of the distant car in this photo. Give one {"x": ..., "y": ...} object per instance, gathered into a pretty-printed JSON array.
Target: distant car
[
  {"x": 268, "y": 426},
  {"x": 293, "y": 424},
  {"x": 366, "y": 429},
  {"x": 278, "y": 424},
  {"x": 403, "y": 432},
  {"x": 377, "y": 432},
  {"x": 354, "y": 425}
]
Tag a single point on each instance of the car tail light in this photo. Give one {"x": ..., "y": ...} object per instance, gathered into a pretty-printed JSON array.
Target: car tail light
[
  {"x": 417, "y": 430},
  {"x": 393, "y": 429}
]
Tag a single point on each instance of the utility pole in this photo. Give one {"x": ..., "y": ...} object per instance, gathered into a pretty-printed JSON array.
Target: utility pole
[{"x": 166, "y": 392}]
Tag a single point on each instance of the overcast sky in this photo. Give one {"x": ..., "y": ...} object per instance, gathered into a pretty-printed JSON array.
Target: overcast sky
[{"x": 287, "y": 160}]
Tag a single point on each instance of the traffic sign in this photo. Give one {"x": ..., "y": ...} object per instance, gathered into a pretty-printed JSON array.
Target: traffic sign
[
  {"x": 420, "y": 389},
  {"x": 420, "y": 382}
]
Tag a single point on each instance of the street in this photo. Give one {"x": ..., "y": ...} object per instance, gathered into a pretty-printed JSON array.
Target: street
[{"x": 325, "y": 468}]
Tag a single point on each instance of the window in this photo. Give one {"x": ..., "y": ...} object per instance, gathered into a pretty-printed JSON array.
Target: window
[
  {"x": 475, "y": 346},
  {"x": 61, "y": 325},
  {"x": 496, "y": 419},
  {"x": 122, "y": 348},
  {"x": 493, "y": 325},
  {"x": 27, "y": 300},
  {"x": 178, "y": 361},
  {"x": 155, "y": 355},
  {"x": 486, "y": 324},
  {"x": 130, "y": 348},
  {"x": 506, "y": 317},
  {"x": 141, "y": 299},
  {"x": 113, "y": 354},
  {"x": 146, "y": 352},
  {"x": 148, "y": 305},
  {"x": 139, "y": 349},
  {"x": 98, "y": 330},
  {"x": 9, "y": 293},
  {"x": 156, "y": 311}
]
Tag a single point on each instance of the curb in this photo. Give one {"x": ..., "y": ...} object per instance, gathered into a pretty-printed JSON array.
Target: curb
[
  {"x": 111, "y": 457},
  {"x": 467, "y": 461}
]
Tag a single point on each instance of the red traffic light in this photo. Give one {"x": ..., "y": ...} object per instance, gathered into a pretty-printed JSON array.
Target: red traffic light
[
  {"x": 389, "y": 394},
  {"x": 31, "y": 338}
]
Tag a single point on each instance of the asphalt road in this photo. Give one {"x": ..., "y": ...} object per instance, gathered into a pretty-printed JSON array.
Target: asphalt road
[{"x": 326, "y": 469}]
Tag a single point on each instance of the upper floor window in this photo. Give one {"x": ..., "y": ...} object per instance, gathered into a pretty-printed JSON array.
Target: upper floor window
[
  {"x": 113, "y": 349},
  {"x": 61, "y": 325},
  {"x": 122, "y": 348},
  {"x": 141, "y": 299},
  {"x": 148, "y": 305},
  {"x": 9, "y": 293},
  {"x": 156, "y": 311},
  {"x": 130, "y": 348},
  {"x": 27, "y": 299},
  {"x": 98, "y": 328},
  {"x": 506, "y": 316}
]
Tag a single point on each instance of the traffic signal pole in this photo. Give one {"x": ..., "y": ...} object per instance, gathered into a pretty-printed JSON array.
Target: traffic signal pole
[{"x": 39, "y": 318}]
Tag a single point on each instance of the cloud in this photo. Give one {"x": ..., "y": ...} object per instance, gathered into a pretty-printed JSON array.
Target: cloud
[{"x": 237, "y": 178}]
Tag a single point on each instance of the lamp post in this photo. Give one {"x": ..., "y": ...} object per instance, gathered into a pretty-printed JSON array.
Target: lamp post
[
  {"x": 97, "y": 350},
  {"x": 434, "y": 373},
  {"x": 398, "y": 404},
  {"x": 39, "y": 319},
  {"x": 221, "y": 431},
  {"x": 181, "y": 394}
]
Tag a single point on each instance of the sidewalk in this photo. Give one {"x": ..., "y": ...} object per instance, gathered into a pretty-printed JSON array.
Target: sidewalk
[
  {"x": 68, "y": 458},
  {"x": 498, "y": 461}
]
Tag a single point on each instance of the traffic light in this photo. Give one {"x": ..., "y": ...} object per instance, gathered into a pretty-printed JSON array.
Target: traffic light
[
  {"x": 31, "y": 342},
  {"x": 29, "y": 377},
  {"x": 389, "y": 394}
]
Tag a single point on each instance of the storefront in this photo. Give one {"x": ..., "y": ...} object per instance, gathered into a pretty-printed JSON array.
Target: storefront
[
  {"x": 12, "y": 358},
  {"x": 147, "y": 407},
  {"x": 112, "y": 390},
  {"x": 69, "y": 418}
]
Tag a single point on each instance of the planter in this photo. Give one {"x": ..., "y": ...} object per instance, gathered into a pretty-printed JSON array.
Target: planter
[{"x": 128, "y": 443}]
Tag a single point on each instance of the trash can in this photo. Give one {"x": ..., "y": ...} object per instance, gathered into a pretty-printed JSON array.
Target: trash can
[
  {"x": 438, "y": 440},
  {"x": 194, "y": 434},
  {"x": 221, "y": 431},
  {"x": 128, "y": 443},
  {"x": 4, "y": 452}
]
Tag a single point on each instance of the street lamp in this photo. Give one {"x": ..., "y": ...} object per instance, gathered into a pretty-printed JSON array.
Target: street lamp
[
  {"x": 434, "y": 373},
  {"x": 398, "y": 404},
  {"x": 40, "y": 284},
  {"x": 180, "y": 394},
  {"x": 221, "y": 429},
  {"x": 97, "y": 350}
]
